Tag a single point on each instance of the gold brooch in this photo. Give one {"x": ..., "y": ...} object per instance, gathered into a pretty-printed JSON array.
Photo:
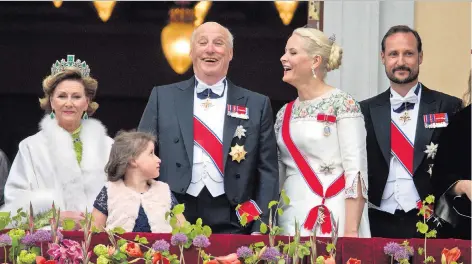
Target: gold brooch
[{"x": 238, "y": 153}]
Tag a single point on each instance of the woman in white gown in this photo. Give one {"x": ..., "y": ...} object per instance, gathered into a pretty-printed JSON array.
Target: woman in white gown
[{"x": 322, "y": 143}]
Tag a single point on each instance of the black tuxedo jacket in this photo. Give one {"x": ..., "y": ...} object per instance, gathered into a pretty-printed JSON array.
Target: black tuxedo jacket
[
  {"x": 377, "y": 115},
  {"x": 169, "y": 113}
]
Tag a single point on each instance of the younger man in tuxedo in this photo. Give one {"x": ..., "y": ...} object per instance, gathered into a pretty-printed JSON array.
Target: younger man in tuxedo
[{"x": 403, "y": 125}]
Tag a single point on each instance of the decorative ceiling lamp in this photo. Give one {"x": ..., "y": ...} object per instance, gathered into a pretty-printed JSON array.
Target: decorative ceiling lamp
[
  {"x": 57, "y": 4},
  {"x": 286, "y": 10},
  {"x": 104, "y": 9},
  {"x": 175, "y": 38},
  {"x": 201, "y": 10}
]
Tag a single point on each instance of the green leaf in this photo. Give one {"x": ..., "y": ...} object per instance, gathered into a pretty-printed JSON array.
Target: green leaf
[
  {"x": 420, "y": 251},
  {"x": 118, "y": 230},
  {"x": 36, "y": 251},
  {"x": 237, "y": 207},
  {"x": 178, "y": 209},
  {"x": 143, "y": 240},
  {"x": 280, "y": 211},
  {"x": 199, "y": 222},
  {"x": 272, "y": 203},
  {"x": 429, "y": 199},
  {"x": 431, "y": 233},
  {"x": 121, "y": 242},
  {"x": 422, "y": 227},
  {"x": 429, "y": 259},
  {"x": 259, "y": 244},
  {"x": 173, "y": 222},
  {"x": 285, "y": 198},
  {"x": 136, "y": 238},
  {"x": 281, "y": 261},
  {"x": 243, "y": 219},
  {"x": 68, "y": 224},
  {"x": 207, "y": 231},
  {"x": 330, "y": 247},
  {"x": 167, "y": 215},
  {"x": 263, "y": 228}
]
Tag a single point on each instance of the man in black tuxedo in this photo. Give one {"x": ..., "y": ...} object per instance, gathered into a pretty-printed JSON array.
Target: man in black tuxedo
[
  {"x": 403, "y": 126},
  {"x": 216, "y": 139}
]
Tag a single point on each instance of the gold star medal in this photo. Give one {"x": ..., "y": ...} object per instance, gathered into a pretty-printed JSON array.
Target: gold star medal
[{"x": 238, "y": 153}]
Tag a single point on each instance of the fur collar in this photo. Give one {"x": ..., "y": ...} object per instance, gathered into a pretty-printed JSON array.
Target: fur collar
[{"x": 71, "y": 177}]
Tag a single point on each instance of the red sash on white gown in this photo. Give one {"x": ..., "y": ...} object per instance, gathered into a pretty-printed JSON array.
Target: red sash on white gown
[{"x": 312, "y": 180}]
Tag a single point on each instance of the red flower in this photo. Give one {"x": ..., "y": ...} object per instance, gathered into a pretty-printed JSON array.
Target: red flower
[
  {"x": 133, "y": 250},
  {"x": 448, "y": 256},
  {"x": 157, "y": 258},
  {"x": 353, "y": 261},
  {"x": 50, "y": 262},
  {"x": 40, "y": 260},
  {"x": 428, "y": 211}
]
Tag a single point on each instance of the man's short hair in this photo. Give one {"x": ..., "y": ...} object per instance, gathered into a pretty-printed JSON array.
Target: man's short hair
[{"x": 402, "y": 29}]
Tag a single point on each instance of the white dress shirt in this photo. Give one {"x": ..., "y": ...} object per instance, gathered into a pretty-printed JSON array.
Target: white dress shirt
[{"x": 204, "y": 171}]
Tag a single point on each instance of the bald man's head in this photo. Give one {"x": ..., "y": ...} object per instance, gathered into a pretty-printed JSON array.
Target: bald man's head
[{"x": 211, "y": 51}]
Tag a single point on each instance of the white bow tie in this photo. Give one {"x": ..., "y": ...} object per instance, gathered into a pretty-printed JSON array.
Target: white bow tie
[
  {"x": 397, "y": 101},
  {"x": 216, "y": 88}
]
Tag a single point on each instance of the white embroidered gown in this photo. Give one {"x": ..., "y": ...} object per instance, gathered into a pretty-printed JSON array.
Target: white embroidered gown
[{"x": 344, "y": 149}]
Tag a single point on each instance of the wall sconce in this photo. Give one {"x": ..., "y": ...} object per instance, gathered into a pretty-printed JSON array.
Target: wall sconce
[
  {"x": 286, "y": 10},
  {"x": 104, "y": 9},
  {"x": 175, "y": 38},
  {"x": 201, "y": 10},
  {"x": 57, "y": 4}
]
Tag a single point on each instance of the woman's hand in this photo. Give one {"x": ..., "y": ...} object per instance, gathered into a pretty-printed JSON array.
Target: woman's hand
[{"x": 463, "y": 187}]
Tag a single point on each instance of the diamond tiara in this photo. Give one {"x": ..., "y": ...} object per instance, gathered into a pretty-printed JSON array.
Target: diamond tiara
[{"x": 60, "y": 66}]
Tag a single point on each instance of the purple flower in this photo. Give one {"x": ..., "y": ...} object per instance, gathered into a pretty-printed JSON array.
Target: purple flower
[
  {"x": 410, "y": 250},
  {"x": 41, "y": 236},
  {"x": 201, "y": 241},
  {"x": 391, "y": 248},
  {"x": 244, "y": 252},
  {"x": 28, "y": 240},
  {"x": 270, "y": 254},
  {"x": 178, "y": 239},
  {"x": 161, "y": 245},
  {"x": 5, "y": 240},
  {"x": 401, "y": 254}
]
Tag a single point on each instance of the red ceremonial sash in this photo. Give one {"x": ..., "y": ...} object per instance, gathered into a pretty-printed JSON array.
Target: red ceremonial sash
[
  {"x": 209, "y": 142},
  {"x": 402, "y": 148},
  {"x": 311, "y": 179}
]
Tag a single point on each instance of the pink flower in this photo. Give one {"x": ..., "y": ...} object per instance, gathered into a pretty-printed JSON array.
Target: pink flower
[{"x": 69, "y": 252}]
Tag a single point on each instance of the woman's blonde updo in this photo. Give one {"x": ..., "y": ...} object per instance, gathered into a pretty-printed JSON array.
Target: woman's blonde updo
[
  {"x": 318, "y": 44},
  {"x": 72, "y": 73}
]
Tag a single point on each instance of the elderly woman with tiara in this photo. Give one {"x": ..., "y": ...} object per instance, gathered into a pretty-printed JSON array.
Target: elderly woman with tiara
[{"x": 64, "y": 162}]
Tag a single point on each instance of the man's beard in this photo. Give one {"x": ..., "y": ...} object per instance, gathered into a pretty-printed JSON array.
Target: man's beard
[{"x": 411, "y": 76}]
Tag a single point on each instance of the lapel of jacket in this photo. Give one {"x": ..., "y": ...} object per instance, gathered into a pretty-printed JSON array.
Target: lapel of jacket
[
  {"x": 183, "y": 97},
  {"x": 423, "y": 135},
  {"x": 380, "y": 111},
  {"x": 235, "y": 96}
]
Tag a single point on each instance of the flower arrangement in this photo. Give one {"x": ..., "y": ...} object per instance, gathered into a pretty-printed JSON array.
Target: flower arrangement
[
  {"x": 294, "y": 251},
  {"x": 399, "y": 252}
]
